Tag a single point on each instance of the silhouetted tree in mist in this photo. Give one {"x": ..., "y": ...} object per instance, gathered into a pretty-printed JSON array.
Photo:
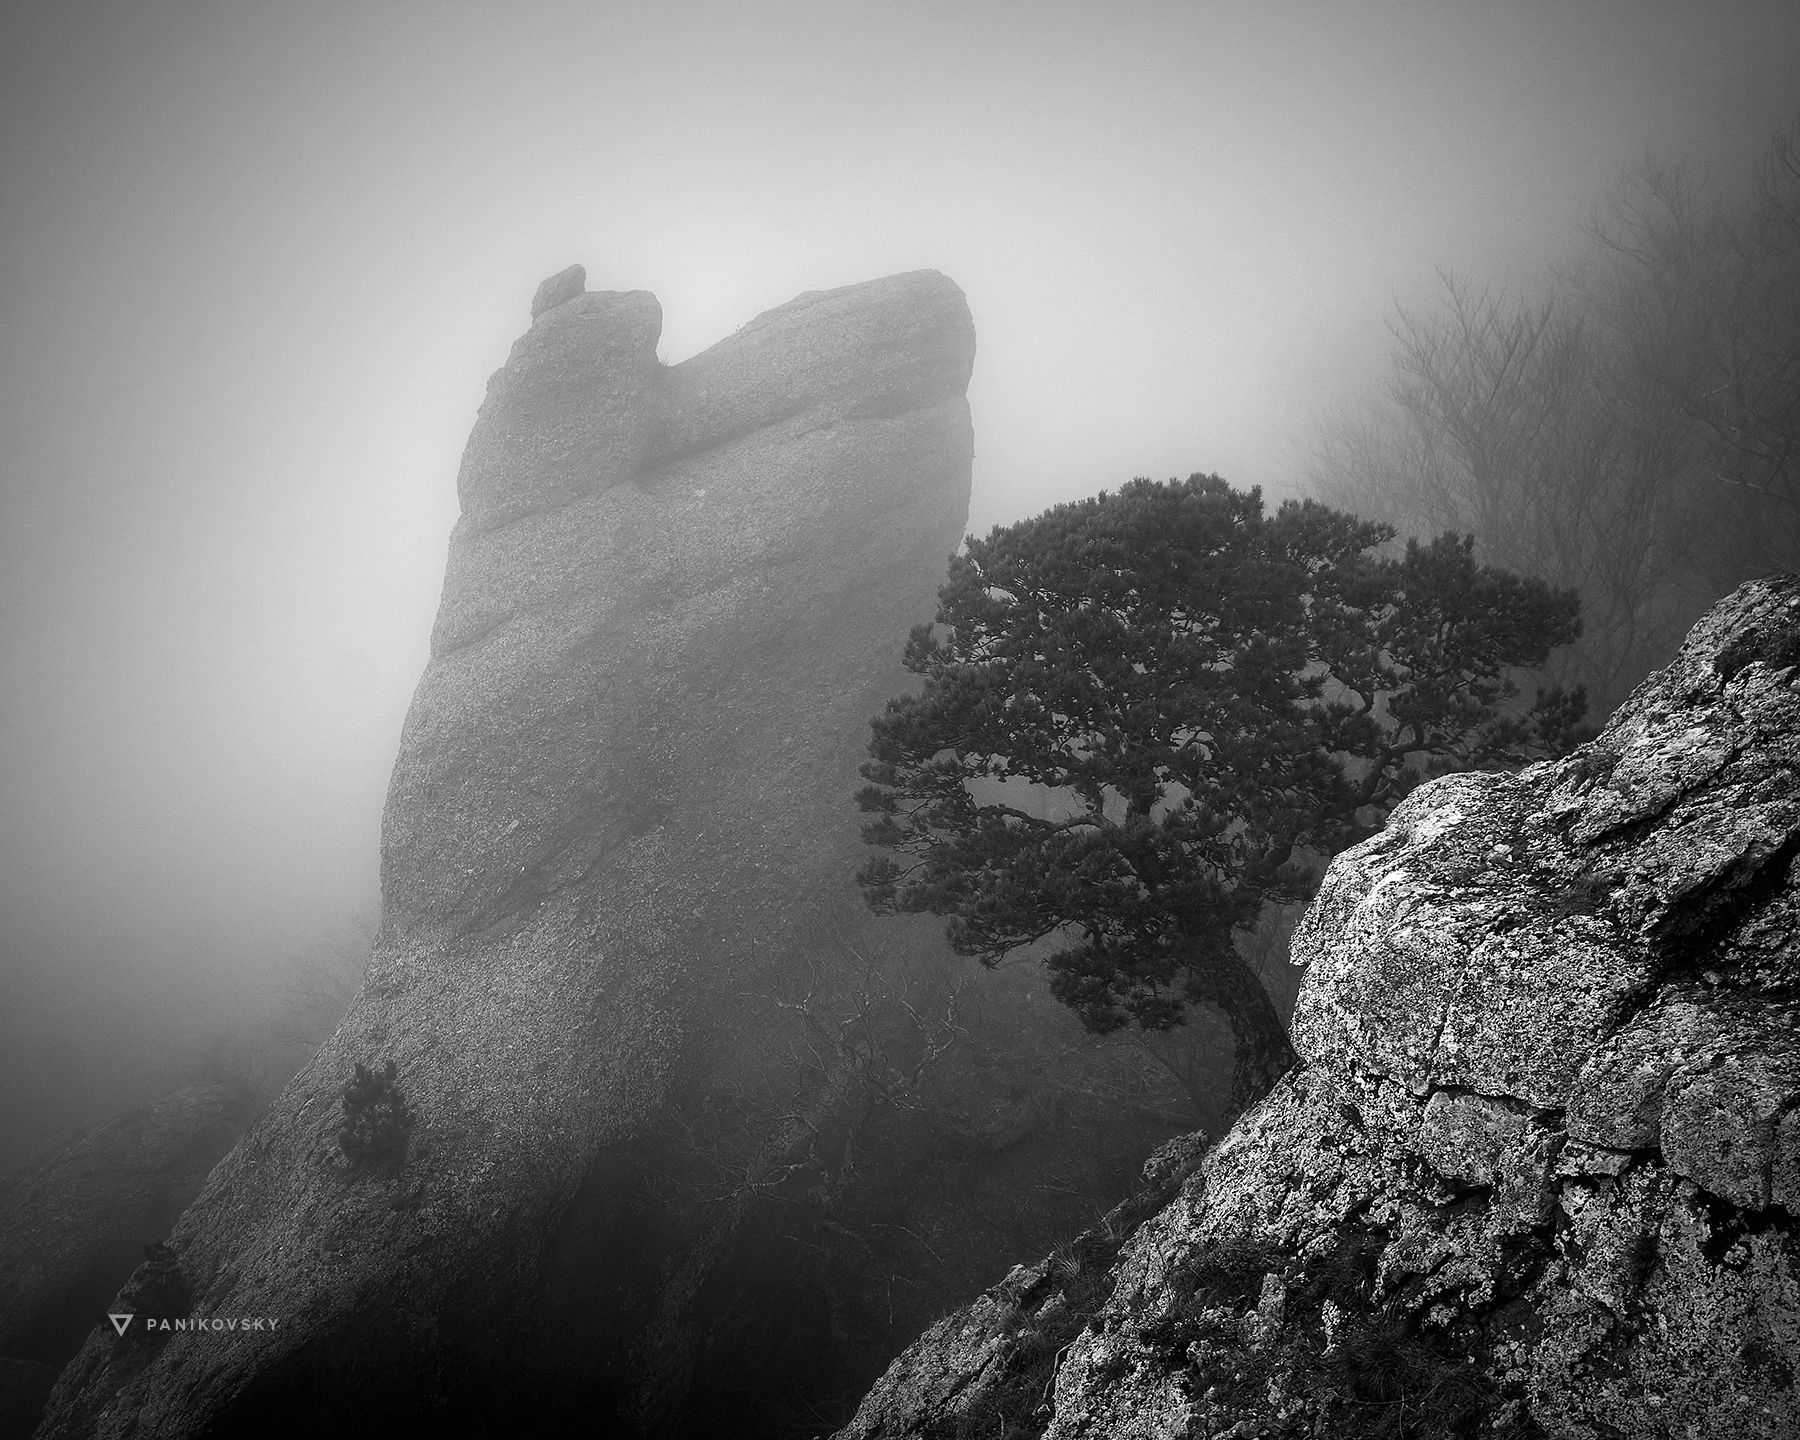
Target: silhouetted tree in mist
[
  {"x": 1703, "y": 297},
  {"x": 316, "y": 986},
  {"x": 1147, "y": 715},
  {"x": 1633, "y": 433}
]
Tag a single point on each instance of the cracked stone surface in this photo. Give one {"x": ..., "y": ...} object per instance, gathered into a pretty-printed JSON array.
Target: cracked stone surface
[{"x": 1536, "y": 1173}]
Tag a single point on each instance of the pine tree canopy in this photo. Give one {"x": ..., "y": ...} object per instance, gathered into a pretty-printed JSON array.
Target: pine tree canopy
[{"x": 1148, "y": 713}]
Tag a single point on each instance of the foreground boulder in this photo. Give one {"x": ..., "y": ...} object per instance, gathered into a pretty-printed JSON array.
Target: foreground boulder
[
  {"x": 1538, "y": 1170},
  {"x": 674, "y": 596}
]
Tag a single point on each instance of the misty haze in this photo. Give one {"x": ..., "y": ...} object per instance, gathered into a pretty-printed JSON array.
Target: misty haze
[{"x": 928, "y": 720}]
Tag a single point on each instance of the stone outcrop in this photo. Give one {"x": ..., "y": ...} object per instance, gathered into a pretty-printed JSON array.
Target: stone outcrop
[
  {"x": 559, "y": 289},
  {"x": 1538, "y": 1169},
  {"x": 75, "y": 1221},
  {"x": 673, "y": 599}
]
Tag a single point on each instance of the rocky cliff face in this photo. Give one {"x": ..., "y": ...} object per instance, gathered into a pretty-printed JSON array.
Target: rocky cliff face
[
  {"x": 674, "y": 596},
  {"x": 1538, "y": 1170}
]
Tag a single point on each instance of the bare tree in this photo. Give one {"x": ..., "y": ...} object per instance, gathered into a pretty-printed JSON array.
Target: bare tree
[
  {"x": 1495, "y": 423},
  {"x": 1632, "y": 432},
  {"x": 1703, "y": 298},
  {"x": 254, "y": 1060}
]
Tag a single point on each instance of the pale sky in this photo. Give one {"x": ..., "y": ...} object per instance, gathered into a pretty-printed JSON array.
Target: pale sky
[{"x": 258, "y": 260}]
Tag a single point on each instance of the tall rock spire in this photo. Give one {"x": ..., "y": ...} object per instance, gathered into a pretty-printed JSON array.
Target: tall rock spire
[{"x": 622, "y": 799}]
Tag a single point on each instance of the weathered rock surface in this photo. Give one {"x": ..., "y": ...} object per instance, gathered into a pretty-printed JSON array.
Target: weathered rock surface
[
  {"x": 1538, "y": 1170},
  {"x": 559, "y": 289},
  {"x": 673, "y": 599},
  {"x": 75, "y": 1221}
]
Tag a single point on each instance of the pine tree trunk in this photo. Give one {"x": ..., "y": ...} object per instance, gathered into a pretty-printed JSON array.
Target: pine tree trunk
[{"x": 1264, "y": 1054}]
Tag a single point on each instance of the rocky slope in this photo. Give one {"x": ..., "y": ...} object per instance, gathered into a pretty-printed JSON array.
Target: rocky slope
[
  {"x": 75, "y": 1223},
  {"x": 1538, "y": 1170},
  {"x": 673, "y": 598}
]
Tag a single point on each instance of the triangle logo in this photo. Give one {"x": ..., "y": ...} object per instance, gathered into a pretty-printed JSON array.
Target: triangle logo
[{"x": 120, "y": 1322}]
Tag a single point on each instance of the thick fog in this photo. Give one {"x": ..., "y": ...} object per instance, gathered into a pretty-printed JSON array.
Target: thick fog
[{"x": 260, "y": 260}]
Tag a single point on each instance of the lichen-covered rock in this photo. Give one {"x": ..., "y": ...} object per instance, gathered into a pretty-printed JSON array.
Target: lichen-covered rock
[
  {"x": 1536, "y": 1171},
  {"x": 673, "y": 598}
]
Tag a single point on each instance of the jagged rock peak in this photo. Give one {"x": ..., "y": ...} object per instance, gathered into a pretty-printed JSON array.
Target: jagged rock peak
[
  {"x": 673, "y": 599},
  {"x": 583, "y": 405},
  {"x": 1537, "y": 1172},
  {"x": 558, "y": 289}
]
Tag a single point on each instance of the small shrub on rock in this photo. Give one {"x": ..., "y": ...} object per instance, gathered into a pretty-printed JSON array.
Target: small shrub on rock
[
  {"x": 157, "y": 1290},
  {"x": 376, "y": 1119}
]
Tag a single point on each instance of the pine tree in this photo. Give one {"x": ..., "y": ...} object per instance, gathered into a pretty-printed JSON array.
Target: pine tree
[{"x": 1147, "y": 715}]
